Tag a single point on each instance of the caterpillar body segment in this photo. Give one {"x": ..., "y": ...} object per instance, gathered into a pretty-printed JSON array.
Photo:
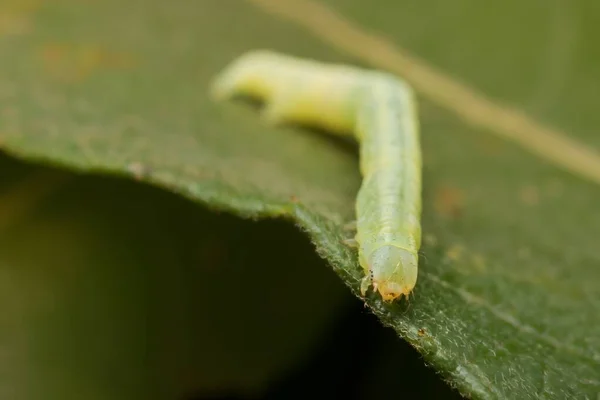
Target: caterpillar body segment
[
  {"x": 388, "y": 205},
  {"x": 380, "y": 111},
  {"x": 296, "y": 90}
]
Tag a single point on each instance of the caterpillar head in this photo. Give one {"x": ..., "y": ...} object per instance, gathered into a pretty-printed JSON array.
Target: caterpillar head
[{"x": 393, "y": 271}]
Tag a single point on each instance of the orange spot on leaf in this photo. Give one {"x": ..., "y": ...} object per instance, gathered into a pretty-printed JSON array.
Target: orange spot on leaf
[
  {"x": 530, "y": 195},
  {"x": 449, "y": 201},
  {"x": 75, "y": 63},
  {"x": 455, "y": 253},
  {"x": 15, "y": 16}
]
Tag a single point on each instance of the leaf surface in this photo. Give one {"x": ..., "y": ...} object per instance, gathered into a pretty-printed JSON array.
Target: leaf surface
[{"x": 507, "y": 300}]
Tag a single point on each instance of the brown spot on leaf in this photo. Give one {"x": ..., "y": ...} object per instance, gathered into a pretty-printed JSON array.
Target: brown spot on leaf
[
  {"x": 74, "y": 63},
  {"x": 455, "y": 253},
  {"x": 449, "y": 201},
  {"x": 12, "y": 25},
  {"x": 15, "y": 16},
  {"x": 530, "y": 195}
]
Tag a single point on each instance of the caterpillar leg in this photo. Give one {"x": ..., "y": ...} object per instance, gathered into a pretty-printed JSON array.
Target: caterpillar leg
[
  {"x": 365, "y": 283},
  {"x": 351, "y": 242},
  {"x": 350, "y": 227}
]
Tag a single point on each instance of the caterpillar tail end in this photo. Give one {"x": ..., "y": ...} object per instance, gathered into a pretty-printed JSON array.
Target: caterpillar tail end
[
  {"x": 393, "y": 271},
  {"x": 223, "y": 87}
]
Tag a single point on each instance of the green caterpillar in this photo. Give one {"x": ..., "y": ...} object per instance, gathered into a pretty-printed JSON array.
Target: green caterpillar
[{"x": 381, "y": 111}]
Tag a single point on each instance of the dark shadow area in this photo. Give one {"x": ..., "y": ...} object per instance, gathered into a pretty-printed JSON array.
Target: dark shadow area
[
  {"x": 360, "y": 359},
  {"x": 152, "y": 268}
]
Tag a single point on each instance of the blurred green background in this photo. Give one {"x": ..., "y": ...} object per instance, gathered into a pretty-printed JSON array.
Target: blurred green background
[{"x": 221, "y": 271}]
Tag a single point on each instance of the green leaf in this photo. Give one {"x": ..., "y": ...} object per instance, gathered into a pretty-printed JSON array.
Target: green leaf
[{"x": 507, "y": 301}]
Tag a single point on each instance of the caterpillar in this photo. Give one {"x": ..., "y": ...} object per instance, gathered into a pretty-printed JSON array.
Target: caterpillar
[{"x": 380, "y": 111}]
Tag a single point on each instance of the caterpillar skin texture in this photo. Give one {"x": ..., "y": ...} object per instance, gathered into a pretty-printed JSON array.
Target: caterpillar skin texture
[{"x": 380, "y": 111}]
